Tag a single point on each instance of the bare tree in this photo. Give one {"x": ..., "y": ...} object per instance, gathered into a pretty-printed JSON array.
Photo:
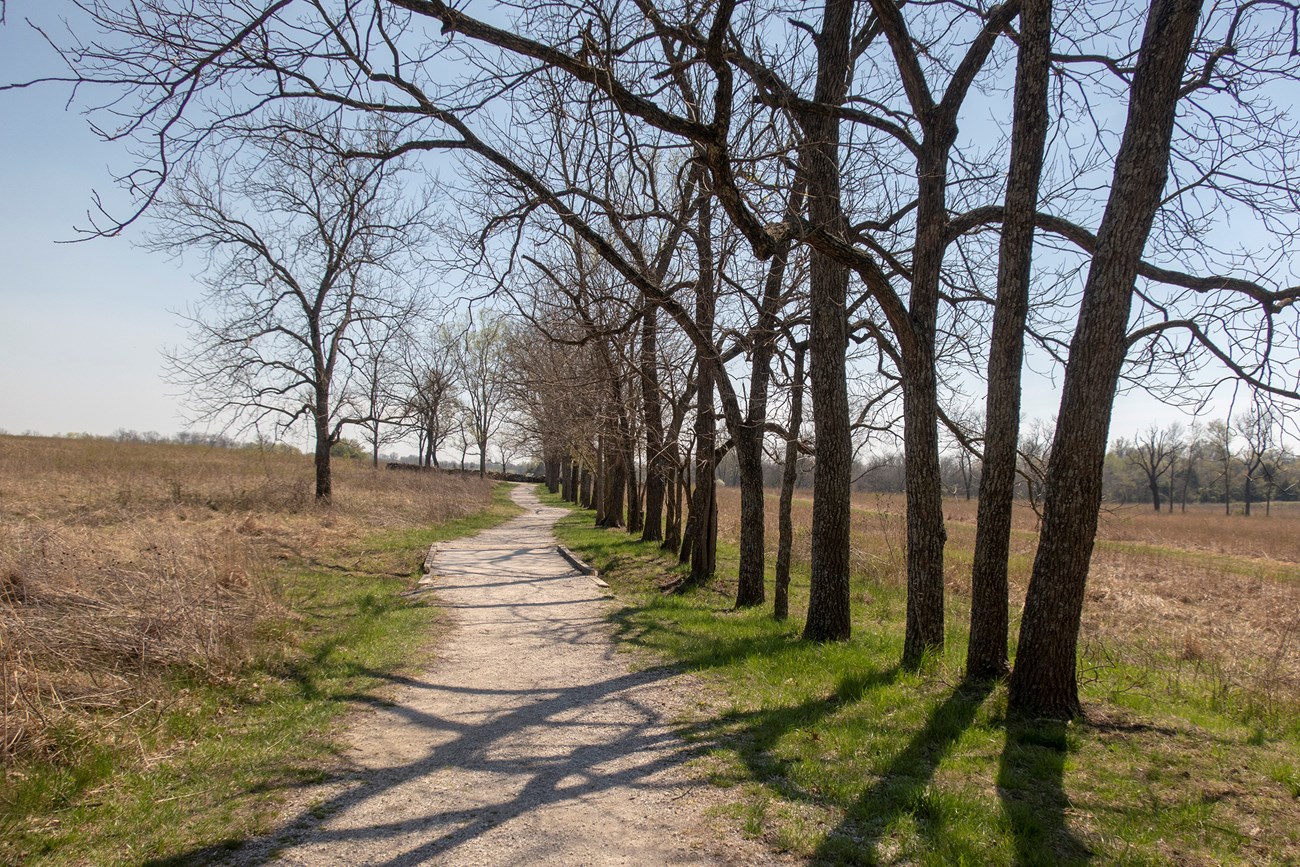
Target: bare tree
[
  {"x": 479, "y": 353},
  {"x": 306, "y": 252},
  {"x": 376, "y": 401},
  {"x": 1154, "y": 452},
  {"x": 1260, "y": 456},
  {"x": 428, "y": 385},
  {"x": 1043, "y": 682},
  {"x": 1220, "y": 439}
]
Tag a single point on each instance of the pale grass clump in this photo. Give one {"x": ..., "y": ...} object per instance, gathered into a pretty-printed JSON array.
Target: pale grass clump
[
  {"x": 124, "y": 564},
  {"x": 91, "y": 620}
]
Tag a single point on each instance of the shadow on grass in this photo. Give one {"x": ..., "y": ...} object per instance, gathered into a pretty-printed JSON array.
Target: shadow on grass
[
  {"x": 903, "y": 789},
  {"x": 1031, "y": 776},
  {"x": 754, "y": 734}
]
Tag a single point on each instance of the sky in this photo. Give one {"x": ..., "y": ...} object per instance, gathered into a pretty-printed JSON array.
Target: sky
[{"x": 83, "y": 325}]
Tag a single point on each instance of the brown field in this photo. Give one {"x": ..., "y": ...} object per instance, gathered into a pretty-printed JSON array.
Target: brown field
[
  {"x": 1196, "y": 596},
  {"x": 122, "y": 562}
]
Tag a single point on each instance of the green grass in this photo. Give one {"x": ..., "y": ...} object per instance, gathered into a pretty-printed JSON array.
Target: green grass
[
  {"x": 831, "y": 752},
  {"x": 225, "y": 755}
]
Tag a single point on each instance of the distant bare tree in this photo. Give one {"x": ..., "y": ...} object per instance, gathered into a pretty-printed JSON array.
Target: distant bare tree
[
  {"x": 479, "y": 354},
  {"x": 1260, "y": 453},
  {"x": 304, "y": 248},
  {"x": 1220, "y": 437},
  {"x": 1154, "y": 452},
  {"x": 432, "y": 409}
]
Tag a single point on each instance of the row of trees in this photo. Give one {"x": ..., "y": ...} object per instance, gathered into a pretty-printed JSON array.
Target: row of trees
[
  {"x": 1247, "y": 460},
  {"x": 698, "y": 206}
]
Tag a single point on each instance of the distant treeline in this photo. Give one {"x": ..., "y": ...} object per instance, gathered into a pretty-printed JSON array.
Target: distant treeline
[
  {"x": 1246, "y": 463},
  {"x": 183, "y": 438}
]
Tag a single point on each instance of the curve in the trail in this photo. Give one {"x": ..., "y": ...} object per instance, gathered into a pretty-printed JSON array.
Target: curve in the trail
[{"x": 531, "y": 741}]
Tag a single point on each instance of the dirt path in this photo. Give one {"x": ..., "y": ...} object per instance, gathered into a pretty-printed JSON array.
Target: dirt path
[{"x": 530, "y": 742}]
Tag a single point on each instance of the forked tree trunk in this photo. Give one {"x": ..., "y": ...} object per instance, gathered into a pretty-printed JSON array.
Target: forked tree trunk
[
  {"x": 986, "y": 649},
  {"x": 828, "y": 601},
  {"x": 1043, "y": 683},
  {"x": 748, "y": 437},
  {"x": 789, "y": 475}
]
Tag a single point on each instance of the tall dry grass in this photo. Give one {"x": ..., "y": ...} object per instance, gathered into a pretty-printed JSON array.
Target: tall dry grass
[
  {"x": 1189, "y": 597},
  {"x": 122, "y": 564}
]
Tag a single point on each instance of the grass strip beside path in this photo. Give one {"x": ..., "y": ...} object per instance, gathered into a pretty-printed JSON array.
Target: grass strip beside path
[
  {"x": 835, "y": 755},
  {"x": 219, "y": 758}
]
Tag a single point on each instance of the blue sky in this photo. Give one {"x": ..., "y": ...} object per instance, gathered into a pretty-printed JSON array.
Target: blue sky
[{"x": 83, "y": 324}]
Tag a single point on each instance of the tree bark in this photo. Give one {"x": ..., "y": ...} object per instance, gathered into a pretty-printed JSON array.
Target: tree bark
[
  {"x": 321, "y": 423},
  {"x": 828, "y": 602},
  {"x": 789, "y": 475},
  {"x": 748, "y": 437},
  {"x": 599, "y": 478},
  {"x": 672, "y": 540},
  {"x": 986, "y": 651},
  {"x": 614, "y": 483},
  {"x": 925, "y": 531},
  {"x": 652, "y": 411},
  {"x": 1043, "y": 683},
  {"x": 702, "y": 523}
]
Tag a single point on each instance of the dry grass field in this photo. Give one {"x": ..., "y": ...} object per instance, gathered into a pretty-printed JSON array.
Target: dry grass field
[
  {"x": 1199, "y": 594},
  {"x": 124, "y": 563}
]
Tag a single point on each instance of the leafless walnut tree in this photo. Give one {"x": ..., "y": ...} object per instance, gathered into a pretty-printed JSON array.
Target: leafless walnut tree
[{"x": 307, "y": 254}]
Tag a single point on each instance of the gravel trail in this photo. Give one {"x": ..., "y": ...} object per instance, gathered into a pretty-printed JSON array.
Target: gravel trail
[{"x": 531, "y": 741}]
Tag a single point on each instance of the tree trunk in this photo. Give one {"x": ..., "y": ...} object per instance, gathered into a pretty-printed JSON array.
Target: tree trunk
[
  {"x": 925, "y": 530},
  {"x": 652, "y": 411},
  {"x": 1043, "y": 683},
  {"x": 627, "y": 460},
  {"x": 321, "y": 422},
  {"x": 750, "y": 589},
  {"x": 789, "y": 474},
  {"x": 828, "y": 601},
  {"x": 702, "y": 524},
  {"x": 688, "y": 524},
  {"x": 584, "y": 488},
  {"x": 672, "y": 540},
  {"x": 615, "y": 482},
  {"x": 748, "y": 438},
  {"x": 554, "y": 467},
  {"x": 598, "y": 482},
  {"x": 482, "y": 459},
  {"x": 986, "y": 649}
]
